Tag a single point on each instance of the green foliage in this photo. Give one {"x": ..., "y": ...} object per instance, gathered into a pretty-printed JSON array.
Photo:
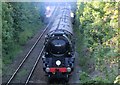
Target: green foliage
[
  {"x": 117, "y": 80},
  {"x": 98, "y": 35},
  {"x": 84, "y": 77},
  {"x": 20, "y": 21},
  {"x": 0, "y": 38}
]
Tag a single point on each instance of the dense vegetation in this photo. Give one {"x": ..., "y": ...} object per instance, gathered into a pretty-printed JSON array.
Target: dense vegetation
[
  {"x": 20, "y": 21},
  {"x": 0, "y": 38},
  {"x": 98, "y": 38}
]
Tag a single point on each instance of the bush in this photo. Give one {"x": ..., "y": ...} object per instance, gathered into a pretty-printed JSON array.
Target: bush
[{"x": 20, "y": 21}]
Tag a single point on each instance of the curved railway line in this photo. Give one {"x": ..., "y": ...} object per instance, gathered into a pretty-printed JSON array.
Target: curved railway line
[{"x": 31, "y": 56}]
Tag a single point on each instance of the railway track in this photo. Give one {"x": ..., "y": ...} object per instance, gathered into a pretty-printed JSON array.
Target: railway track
[
  {"x": 42, "y": 79},
  {"x": 31, "y": 72},
  {"x": 34, "y": 54}
]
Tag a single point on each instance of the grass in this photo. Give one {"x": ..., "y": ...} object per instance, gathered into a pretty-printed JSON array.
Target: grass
[
  {"x": 84, "y": 77},
  {"x": 22, "y": 74}
]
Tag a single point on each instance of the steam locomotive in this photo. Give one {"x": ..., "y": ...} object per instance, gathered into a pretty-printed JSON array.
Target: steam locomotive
[{"x": 59, "y": 53}]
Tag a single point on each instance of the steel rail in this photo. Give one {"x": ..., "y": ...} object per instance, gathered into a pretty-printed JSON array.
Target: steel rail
[
  {"x": 27, "y": 55},
  {"x": 39, "y": 57}
]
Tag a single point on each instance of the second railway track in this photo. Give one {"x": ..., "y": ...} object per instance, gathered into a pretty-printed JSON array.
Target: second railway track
[{"x": 31, "y": 59}]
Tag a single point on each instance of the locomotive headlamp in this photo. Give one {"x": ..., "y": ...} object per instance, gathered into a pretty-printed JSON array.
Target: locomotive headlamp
[
  {"x": 72, "y": 14},
  {"x": 47, "y": 69},
  {"x": 68, "y": 69},
  {"x": 58, "y": 62}
]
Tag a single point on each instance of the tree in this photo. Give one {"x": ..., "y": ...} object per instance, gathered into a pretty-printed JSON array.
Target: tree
[
  {"x": 98, "y": 24},
  {"x": 20, "y": 21}
]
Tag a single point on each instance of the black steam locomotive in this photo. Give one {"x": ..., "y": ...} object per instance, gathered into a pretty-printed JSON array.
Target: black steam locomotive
[{"x": 59, "y": 53}]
